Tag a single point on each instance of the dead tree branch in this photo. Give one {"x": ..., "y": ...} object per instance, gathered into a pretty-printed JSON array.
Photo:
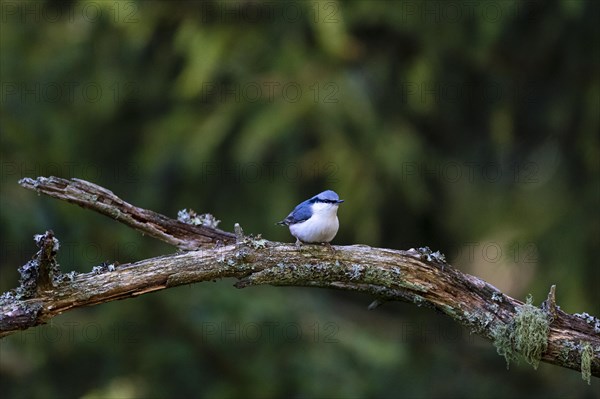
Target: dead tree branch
[
  {"x": 417, "y": 276},
  {"x": 88, "y": 195}
]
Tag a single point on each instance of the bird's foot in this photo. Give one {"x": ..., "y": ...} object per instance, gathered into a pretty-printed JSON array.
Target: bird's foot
[{"x": 328, "y": 246}]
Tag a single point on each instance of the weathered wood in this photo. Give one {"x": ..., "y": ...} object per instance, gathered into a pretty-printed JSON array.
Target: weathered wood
[
  {"x": 417, "y": 276},
  {"x": 88, "y": 195}
]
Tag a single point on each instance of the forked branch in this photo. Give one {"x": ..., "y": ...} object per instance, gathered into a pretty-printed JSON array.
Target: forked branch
[{"x": 417, "y": 276}]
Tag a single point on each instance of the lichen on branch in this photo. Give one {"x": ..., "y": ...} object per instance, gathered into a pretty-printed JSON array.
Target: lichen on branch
[
  {"x": 526, "y": 335},
  {"x": 418, "y": 276}
]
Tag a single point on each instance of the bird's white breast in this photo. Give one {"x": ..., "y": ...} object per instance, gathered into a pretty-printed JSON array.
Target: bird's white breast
[{"x": 321, "y": 227}]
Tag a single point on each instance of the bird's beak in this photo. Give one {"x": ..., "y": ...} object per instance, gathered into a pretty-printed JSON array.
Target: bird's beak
[{"x": 340, "y": 201}]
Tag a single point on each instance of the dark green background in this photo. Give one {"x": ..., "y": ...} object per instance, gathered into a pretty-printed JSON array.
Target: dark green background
[{"x": 470, "y": 127}]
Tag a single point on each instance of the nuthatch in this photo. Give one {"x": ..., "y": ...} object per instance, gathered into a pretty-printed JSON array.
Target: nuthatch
[{"x": 315, "y": 220}]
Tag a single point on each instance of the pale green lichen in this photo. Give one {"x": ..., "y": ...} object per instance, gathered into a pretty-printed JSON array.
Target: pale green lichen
[
  {"x": 525, "y": 335},
  {"x": 503, "y": 343},
  {"x": 255, "y": 242},
  {"x": 478, "y": 320},
  {"x": 425, "y": 253},
  {"x": 386, "y": 276},
  {"x": 190, "y": 216},
  {"x": 44, "y": 262},
  {"x": 587, "y": 353},
  {"x": 66, "y": 277},
  {"x": 104, "y": 267},
  {"x": 565, "y": 351},
  {"x": 497, "y": 297},
  {"x": 356, "y": 271},
  {"x": 419, "y": 300},
  {"x": 591, "y": 320}
]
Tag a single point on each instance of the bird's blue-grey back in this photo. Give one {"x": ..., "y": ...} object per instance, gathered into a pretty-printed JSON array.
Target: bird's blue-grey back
[
  {"x": 300, "y": 213},
  {"x": 304, "y": 211}
]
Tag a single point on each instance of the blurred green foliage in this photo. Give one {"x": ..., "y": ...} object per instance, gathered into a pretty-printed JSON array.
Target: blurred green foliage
[{"x": 470, "y": 127}]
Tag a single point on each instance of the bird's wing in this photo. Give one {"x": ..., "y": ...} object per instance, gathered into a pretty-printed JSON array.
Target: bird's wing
[{"x": 300, "y": 213}]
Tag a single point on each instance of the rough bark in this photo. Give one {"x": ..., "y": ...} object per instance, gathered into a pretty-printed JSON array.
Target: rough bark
[
  {"x": 418, "y": 276},
  {"x": 88, "y": 195}
]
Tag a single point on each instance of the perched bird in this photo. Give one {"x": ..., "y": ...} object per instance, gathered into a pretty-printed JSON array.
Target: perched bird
[{"x": 315, "y": 220}]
